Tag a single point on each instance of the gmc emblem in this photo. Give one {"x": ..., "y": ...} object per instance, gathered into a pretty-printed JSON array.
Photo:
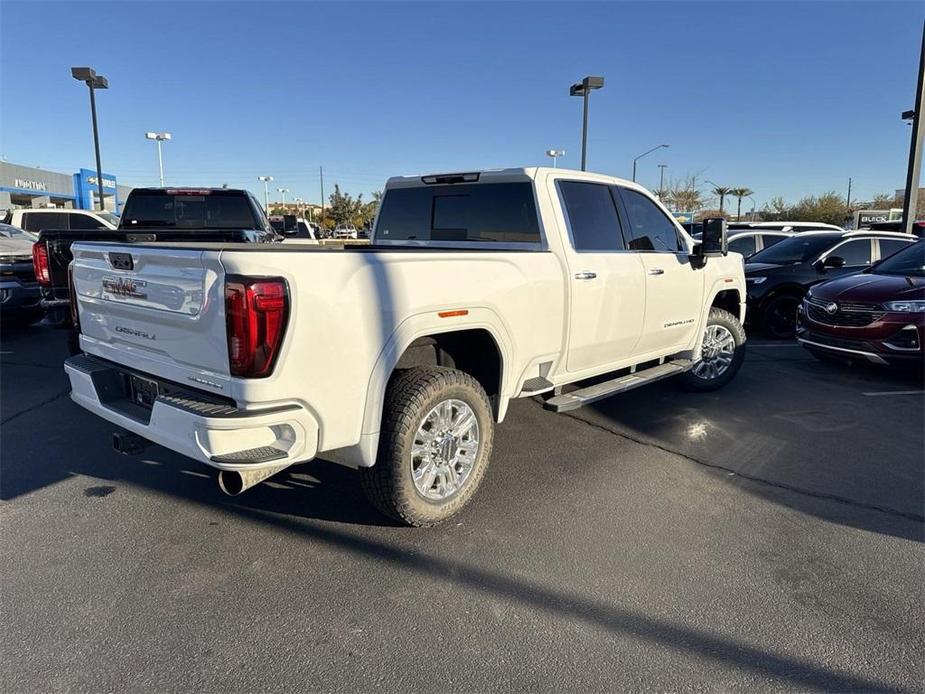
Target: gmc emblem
[{"x": 124, "y": 286}]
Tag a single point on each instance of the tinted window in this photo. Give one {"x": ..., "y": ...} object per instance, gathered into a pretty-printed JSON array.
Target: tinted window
[
  {"x": 650, "y": 229},
  {"x": 592, "y": 216},
  {"x": 37, "y": 221},
  {"x": 890, "y": 246},
  {"x": 769, "y": 240},
  {"x": 796, "y": 249},
  {"x": 909, "y": 262},
  {"x": 491, "y": 212},
  {"x": 210, "y": 210},
  {"x": 744, "y": 245},
  {"x": 855, "y": 253},
  {"x": 85, "y": 221}
]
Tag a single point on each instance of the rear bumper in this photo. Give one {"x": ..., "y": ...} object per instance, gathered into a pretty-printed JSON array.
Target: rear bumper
[{"x": 218, "y": 435}]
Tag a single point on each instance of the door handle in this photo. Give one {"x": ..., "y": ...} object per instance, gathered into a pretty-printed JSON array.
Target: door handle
[
  {"x": 656, "y": 271},
  {"x": 585, "y": 275}
]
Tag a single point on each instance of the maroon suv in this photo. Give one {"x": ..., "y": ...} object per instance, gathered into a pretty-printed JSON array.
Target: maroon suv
[{"x": 876, "y": 315}]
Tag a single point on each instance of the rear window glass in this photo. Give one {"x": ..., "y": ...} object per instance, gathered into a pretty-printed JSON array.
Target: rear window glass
[
  {"x": 213, "y": 210},
  {"x": 487, "y": 212}
]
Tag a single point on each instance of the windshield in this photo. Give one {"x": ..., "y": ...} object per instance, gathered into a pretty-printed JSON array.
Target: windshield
[
  {"x": 796, "y": 249},
  {"x": 209, "y": 209},
  {"x": 909, "y": 262},
  {"x": 109, "y": 217}
]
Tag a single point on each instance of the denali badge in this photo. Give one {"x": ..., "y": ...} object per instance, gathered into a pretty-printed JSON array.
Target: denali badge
[
  {"x": 831, "y": 309},
  {"x": 133, "y": 331},
  {"x": 124, "y": 286}
]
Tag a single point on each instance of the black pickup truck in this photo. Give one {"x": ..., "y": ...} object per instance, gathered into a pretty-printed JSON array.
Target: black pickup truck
[{"x": 150, "y": 215}]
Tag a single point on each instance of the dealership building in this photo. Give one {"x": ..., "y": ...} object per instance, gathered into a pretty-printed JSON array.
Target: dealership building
[{"x": 26, "y": 186}]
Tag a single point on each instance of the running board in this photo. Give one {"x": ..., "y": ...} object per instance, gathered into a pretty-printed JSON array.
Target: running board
[{"x": 585, "y": 396}]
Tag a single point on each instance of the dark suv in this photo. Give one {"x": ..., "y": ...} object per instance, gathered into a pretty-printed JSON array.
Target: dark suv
[
  {"x": 877, "y": 315},
  {"x": 777, "y": 278}
]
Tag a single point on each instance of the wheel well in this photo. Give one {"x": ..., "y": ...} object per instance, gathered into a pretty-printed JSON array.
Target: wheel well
[
  {"x": 728, "y": 300},
  {"x": 473, "y": 351}
]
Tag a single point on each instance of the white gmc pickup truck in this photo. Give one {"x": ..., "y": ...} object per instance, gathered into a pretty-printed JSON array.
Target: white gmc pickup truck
[{"x": 399, "y": 358}]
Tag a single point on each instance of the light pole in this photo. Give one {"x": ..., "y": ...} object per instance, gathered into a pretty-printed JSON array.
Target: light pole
[
  {"x": 266, "y": 192},
  {"x": 159, "y": 138},
  {"x": 555, "y": 154},
  {"x": 283, "y": 191},
  {"x": 583, "y": 89},
  {"x": 917, "y": 140},
  {"x": 661, "y": 180},
  {"x": 298, "y": 202},
  {"x": 642, "y": 155},
  {"x": 751, "y": 215},
  {"x": 88, "y": 76}
]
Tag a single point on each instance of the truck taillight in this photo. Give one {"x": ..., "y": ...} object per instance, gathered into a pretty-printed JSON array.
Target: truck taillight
[
  {"x": 256, "y": 312},
  {"x": 40, "y": 263}
]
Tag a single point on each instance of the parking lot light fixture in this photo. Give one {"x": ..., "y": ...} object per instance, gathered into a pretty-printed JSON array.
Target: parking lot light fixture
[
  {"x": 266, "y": 192},
  {"x": 88, "y": 76},
  {"x": 649, "y": 151},
  {"x": 584, "y": 89},
  {"x": 159, "y": 138},
  {"x": 283, "y": 191},
  {"x": 555, "y": 154}
]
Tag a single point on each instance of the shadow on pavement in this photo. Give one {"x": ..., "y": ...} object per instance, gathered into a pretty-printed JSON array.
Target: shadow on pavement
[
  {"x": 796, "y": 431},
  {"x": 296, "y": 499}
]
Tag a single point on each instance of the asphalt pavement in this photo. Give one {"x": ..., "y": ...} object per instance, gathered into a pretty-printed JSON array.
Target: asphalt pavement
[{"x": 767, "y": 536}]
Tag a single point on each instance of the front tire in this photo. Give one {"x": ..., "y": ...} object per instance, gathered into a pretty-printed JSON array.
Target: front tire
[
  {"x": 434, "y": 446},
  {"x": 779, "y": 317},
  {"x": 722, "y": 354}
]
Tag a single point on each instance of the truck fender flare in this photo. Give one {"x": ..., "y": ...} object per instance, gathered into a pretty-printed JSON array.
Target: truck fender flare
[{"x": 424, "y": 325}]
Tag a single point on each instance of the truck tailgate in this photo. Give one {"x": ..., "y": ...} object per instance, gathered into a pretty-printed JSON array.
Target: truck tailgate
[{"x": 159, "y": 310}]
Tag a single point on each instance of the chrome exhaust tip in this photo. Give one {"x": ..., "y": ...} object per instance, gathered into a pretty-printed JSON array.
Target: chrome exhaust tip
[{"x": 234, "y": 482}]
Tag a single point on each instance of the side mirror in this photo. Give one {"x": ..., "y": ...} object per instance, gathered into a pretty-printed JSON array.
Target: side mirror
[
  {"x": 713, "y": 241},
  {"x": 832, "y": 261}
]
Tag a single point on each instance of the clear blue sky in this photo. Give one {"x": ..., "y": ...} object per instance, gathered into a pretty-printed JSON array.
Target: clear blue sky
[{"x": 786, "y": 99}]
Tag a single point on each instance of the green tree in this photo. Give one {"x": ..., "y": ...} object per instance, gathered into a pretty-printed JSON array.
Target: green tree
[
  {"x": 722, "y": 192},
  {"x": 829, "y": 207},
  {"x": 884, "y": 201},
  {"x": 740, "y": 193}
]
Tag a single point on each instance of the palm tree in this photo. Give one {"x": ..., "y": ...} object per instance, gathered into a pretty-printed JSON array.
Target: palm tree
[
  {"x": 740, "y": 193},
  {"x": 722, "y": 192}
]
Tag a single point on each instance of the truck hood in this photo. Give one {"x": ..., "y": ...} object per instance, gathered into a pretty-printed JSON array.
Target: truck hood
[{"x": 868, "y": 287}]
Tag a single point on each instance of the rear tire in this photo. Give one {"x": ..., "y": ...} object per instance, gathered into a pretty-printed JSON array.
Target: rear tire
[
  {"x": 424, "y": 473},
  {"x": 724, "y": 332}
]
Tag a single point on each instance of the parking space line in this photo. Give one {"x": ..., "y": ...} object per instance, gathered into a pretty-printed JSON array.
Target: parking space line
[{"x": 895, "y": 392}]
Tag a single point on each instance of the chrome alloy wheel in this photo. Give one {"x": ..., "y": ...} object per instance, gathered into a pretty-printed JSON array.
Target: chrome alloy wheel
[
  {"x": 717, "y": 352},
  {"x": 445, "y": 449}
]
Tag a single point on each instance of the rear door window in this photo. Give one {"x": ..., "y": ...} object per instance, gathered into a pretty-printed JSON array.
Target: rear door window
[
  {"x": 482, "y": 212},
  {"x": 592, "y": 215},
  {"x": 890, "y": 246},
  {"x": 85, "y": 221},
  {"x": 769, "y": 240},
  {"x": 650, "y": 229}
]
